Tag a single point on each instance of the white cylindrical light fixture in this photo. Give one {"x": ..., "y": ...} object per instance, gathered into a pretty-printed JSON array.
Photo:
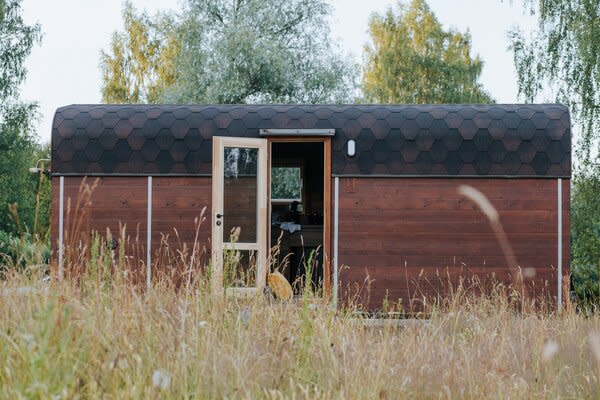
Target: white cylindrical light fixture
[{"x": 351, "y": 148}]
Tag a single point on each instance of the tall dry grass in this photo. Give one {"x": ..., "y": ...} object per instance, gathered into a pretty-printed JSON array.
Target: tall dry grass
[
  {"x": 105, "y": 339},
  {"x": 100, "y": 334}
]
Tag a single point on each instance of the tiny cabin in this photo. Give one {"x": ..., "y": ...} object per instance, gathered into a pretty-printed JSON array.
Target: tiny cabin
[{"x": 363, "y": 197}]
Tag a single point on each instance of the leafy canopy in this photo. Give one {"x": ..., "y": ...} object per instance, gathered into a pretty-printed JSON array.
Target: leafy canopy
[
  {"x": 141, "y": 63},
  {"x": 562, "y": 57},
  {"x": 412, "y": 59},
  {"x": 223, "y": 51},
  {"x": 585, "y": 234},
  {"x": 16, "y": 42},
  {"x": 286, "y": 183},
  {"x": 18, "y": 147}
]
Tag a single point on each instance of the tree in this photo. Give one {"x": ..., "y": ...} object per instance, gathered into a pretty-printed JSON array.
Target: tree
[
  {"x": 17, "y": 140},
  {"x": 412, "y": 59},
  {"x": 141, "y": 64},
  {"x": 562, "y": 59},
  {"x": 241, "y": 51},
  {"x": 585, "y": 234},
  {"x": 16, "y": 42},
  {"x": 17, "y": 147}
]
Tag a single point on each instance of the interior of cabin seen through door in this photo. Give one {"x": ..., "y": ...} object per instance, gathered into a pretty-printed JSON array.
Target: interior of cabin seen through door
[{"x": 270, "y": 211}]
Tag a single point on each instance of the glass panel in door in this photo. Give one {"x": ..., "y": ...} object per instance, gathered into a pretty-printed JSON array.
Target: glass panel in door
[
  {"x": 240, "y": 194},
  {"x": 239, "y": 214}
]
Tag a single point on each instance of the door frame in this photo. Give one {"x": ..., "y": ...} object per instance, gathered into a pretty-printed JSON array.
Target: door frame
[
  {"x": 262, "y": 191},
  {"x": 327, "y": 255}
]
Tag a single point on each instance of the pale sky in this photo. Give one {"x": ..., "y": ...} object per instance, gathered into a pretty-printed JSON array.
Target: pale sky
[{"x": 64, "y": 69}]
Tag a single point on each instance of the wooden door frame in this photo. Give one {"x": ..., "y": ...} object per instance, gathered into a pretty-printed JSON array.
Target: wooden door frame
[
  {"x": 327, "y": 257},
  {"x": 262, "y": 243}
]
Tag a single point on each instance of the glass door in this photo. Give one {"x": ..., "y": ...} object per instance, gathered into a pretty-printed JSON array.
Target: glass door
[{"x": 239, "y": 215}]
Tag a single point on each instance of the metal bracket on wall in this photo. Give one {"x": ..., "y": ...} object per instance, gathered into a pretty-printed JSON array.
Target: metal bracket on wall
[{"x": 297, "y": 132}]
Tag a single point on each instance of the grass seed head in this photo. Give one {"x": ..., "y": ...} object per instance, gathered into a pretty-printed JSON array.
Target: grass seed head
[
  {"x": 594, "y": 340},
  {"x": 549, "y": 351},
  {"x": 161, "y": 379}
]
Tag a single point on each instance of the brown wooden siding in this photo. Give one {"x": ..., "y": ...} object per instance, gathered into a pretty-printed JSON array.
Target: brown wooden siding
[
  {"x": 403, "y": 238},
  {"x": 409, "y": 236},
  {"x": 177, "y": 204},
  {"x": 122, "y": 201},
  {"x": 115, "y": 200},
  {"x": 115, "y": 203}
]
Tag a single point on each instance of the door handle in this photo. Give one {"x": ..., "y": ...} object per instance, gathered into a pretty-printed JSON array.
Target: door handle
[{"x": 219, "y": 215}]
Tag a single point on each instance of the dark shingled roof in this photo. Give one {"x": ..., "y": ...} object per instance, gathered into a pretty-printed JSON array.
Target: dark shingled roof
[{"x": 403, "y": 140}]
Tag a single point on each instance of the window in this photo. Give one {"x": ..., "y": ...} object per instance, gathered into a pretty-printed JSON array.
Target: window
[{"x": 286, "y": 184}]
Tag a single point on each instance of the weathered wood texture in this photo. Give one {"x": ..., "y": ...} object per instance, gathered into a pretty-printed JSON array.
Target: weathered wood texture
[
  {"x": 112, "y": 207},
  {"x": 118, "y": 202},
  {"x": 181, "y": 218},
  {"x": 115, "y": 202},
  {"x": 410, "y": 239}
]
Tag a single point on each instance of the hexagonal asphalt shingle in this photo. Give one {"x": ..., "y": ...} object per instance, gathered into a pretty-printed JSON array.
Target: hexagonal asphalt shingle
[{"x": 485, "y": 140}]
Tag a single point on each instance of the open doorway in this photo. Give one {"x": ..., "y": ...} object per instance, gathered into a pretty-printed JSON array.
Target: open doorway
[{"x": 299, "y": 209}]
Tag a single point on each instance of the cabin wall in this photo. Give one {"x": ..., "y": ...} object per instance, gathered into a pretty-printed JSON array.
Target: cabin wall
[
  {"x": 409, "y": 238},
  {"x": 399, "y": 238},
  {"x": 181, "y": 217},
  {"x": 113, "y": 201},
  {"x": 177, "y": 204}
]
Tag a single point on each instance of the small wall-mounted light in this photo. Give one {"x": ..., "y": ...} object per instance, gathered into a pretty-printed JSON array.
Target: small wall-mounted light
[
  {"x": 351, "y": 148},
  {"x": 40, "y": 167}
]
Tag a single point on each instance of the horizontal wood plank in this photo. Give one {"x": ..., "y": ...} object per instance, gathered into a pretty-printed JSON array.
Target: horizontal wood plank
[{"x": 400, "y": 234}]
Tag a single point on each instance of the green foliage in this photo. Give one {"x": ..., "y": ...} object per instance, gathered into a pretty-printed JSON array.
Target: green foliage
[
  {"x": 219, "y": 51},
  {"x": 39, "y": 222},
  {"x": 286, "y": 183},
  {"x": 5, "y": 239},
  {"x": 24, "y": 240},
  {"x": 22, "y": 252},
  {"x": 585, "y": 234},
  {"x": 562, "y": 58},
  {"x": 20, "y": 188},
  {"x": 16, "y": 41},
  {"x": 99, "y": 265},
  {"x": 412, "y": 59},
  {"x": 141, "y": 63},
  {"x": 310, "y": 264},
  {"x": 18, "y": 146}
]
